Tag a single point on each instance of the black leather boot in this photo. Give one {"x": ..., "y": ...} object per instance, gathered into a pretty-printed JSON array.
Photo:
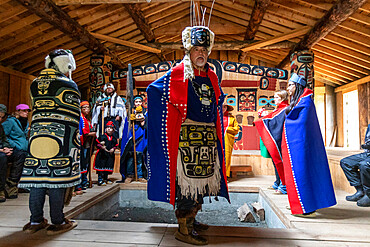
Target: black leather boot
[
  {"x": 356, "y": 196},
  {"x": 364, "y": 201}
]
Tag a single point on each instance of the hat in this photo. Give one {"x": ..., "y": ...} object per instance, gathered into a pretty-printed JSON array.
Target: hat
[
  {"x": 138, "y": 97},
  {"x": 298, "y": 79},
  {"x": 262, "y": 112},
  {"x": 3, "y": 108},
  {"x": 61, "y": 60},
  {"x": 110, "y": 124},
  {"x": 108, "y": 85},
  {"x": 83, "y": 103},
  {"x": 22, "y": 107},
  {"x": 229, "y": 107},
  {"x": 198, "y": 36}
]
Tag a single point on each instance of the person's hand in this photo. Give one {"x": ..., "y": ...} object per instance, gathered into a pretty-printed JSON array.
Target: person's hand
[
  {"x": 118, "y": 118},
  {"x": 132, "y": 117},
  {"x": 8, "y": 151},
  {"x": 92, "y": 134},
  {"x": 111, "y": 150},
  {"x": 142, "y": 123}
]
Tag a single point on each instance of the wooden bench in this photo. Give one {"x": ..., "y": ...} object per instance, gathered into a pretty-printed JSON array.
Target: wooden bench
[{"x": 239, "y": 168}]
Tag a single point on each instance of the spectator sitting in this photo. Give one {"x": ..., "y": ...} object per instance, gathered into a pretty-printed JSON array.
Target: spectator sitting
[
  {"x": 16, "y": 131},
  {"x": 357, "y": 170},
  {"x": 5, "y": 152}
]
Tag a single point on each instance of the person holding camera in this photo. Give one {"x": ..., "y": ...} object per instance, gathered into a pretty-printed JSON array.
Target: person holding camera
[{"x": 357, "y": 170}]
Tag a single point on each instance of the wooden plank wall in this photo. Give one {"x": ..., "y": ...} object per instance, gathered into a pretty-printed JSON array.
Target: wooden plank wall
[{"x": 14, "y": 90}]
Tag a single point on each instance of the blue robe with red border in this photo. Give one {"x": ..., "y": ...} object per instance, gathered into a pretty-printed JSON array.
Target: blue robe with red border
[
  {"x": 306, "y": 167},
  {"x": 167, "y": 110}
]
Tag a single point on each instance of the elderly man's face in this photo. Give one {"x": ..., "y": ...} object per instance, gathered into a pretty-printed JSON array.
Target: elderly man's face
[{"x": 198, "y": 56}]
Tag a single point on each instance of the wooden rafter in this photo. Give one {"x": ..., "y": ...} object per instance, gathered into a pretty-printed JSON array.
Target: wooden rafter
[
  {"x": 340, "y": 11},
  {"x": 70, "y": 2},
  {"x": 353, "y": 85},
  {"x": 49, "y": 12},
  {"x": 218, "y": 45},
  {"x": 276, "y": 39},
  {"x": 140, "y": 21},
  {"x": 126, "y": 43},
  {"x": 259, "y": 10}
]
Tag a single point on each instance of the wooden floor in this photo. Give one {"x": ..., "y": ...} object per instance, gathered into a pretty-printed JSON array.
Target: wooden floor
[{"x": 342, "y": 225}]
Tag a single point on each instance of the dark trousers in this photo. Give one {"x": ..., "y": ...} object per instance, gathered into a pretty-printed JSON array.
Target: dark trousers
[
  {"x": 56, "y": 204},
  {"x": 357, "y": 170},
  {"x": 131, "y": 166},
  {"x": 186, "y": 206},
  {"x": 17, "y": 157},
  {"x": 102, "y": 176},
  {"x": 3, "y": 166}
]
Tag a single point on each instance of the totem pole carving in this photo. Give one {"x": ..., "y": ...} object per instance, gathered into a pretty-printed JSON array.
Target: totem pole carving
[
  {"x": 302, "y": 64},
  {"x": 100, "y": 74}
]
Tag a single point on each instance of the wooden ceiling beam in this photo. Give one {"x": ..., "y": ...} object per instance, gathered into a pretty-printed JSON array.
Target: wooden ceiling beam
[
  {"x": 32, "y": 43},
  {"x": 19, "y": 24},
  {"x": 353, "y": 84},
  {"x": 71, "y": 2},
  {"x": 259, "y": 10},
  {"x": 346, "y": 43},
  {"x": 344, "y": 50},
  {"x": 354, "y": 37},
  {"x": 276, "y": 39},
  {"x": 342, "y": 56},
  {"x": 14, "y": 11},
  {"x": 8, "y": 43},
  {"x": 339, "y": 61},
  {"x": 17, "y": 73},
  {"x": 218, "y": 45},
  {"x": 336, "y": 72},
  {"x": 126, "y": 43},
  {"x": 340, "y": 11},
  {"x": 140, "y": 21},
  {"x": 54, "y": 15},
  {"x": 324, "y": 79},
  {"x": 338, "y": 80},
  {"x": 338, "y": 67}
]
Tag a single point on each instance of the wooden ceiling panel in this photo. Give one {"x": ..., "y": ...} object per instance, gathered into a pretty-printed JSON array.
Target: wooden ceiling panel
[{"x": 341, "y": 56}]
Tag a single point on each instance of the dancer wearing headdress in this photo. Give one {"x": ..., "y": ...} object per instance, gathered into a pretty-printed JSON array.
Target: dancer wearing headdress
[{"x": 186, "y": 160}]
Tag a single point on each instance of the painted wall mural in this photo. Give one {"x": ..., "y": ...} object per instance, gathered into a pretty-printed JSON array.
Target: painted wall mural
[{"x": 247, "y": 87}]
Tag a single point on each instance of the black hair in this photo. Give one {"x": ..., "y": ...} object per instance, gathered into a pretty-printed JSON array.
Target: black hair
[{"x": 293, "y": 101}]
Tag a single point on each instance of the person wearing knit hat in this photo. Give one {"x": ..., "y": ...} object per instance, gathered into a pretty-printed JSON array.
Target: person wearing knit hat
[
  {"x": 185, "y": 103},
  {"x": 16, "y": 129},
  {"x": 53, "y": 162},
  {"x": 86, "y": 137}
]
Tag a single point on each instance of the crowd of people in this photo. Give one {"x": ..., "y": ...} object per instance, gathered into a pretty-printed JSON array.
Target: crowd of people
[{"x": 52, "y": 155}]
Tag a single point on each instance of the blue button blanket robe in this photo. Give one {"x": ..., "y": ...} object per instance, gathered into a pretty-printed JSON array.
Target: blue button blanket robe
[{"x": 306, "y": 169}]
